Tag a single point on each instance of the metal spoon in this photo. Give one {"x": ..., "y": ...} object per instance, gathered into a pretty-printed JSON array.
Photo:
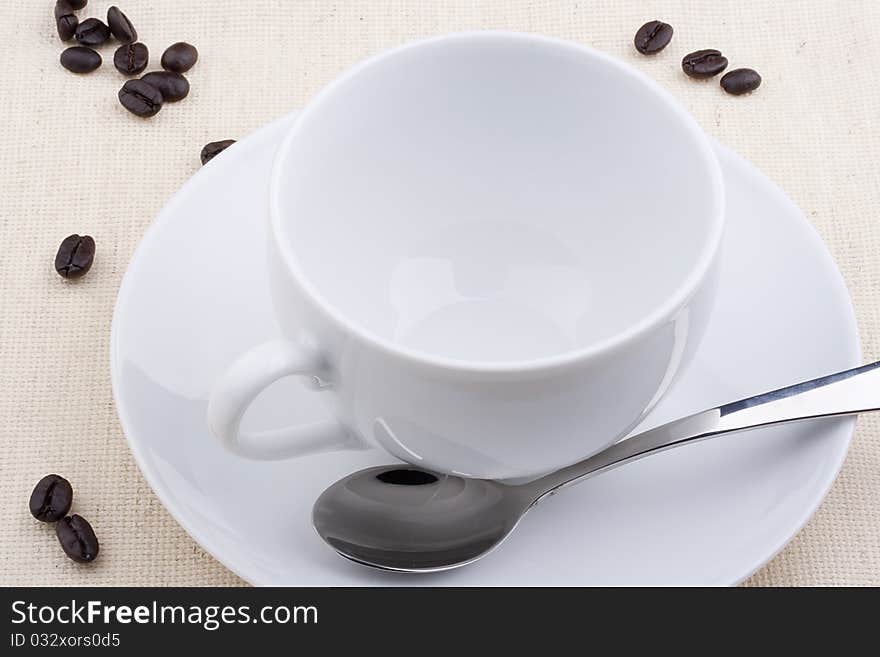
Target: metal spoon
[{"x": 401, "y": 518}]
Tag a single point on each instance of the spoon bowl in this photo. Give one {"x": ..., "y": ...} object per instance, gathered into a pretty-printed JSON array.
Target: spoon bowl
[{"x": 400, "y": 518}]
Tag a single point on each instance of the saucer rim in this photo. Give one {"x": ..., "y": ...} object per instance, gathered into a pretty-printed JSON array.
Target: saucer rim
[
  {"x": 854, "y": 349},
  {"x": 137, "y": 447}
]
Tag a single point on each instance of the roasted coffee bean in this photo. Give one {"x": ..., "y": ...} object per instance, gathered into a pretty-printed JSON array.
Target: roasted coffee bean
[
  {"x": 131, "y": 58},
  {"x": 92, "y": 32},
  {"x": 77, "y": 538},
  {"x": 653, "y": 37},
  {"x": 65, "y": 21},
  {"x": 75, "y": 256},
  {"x": 741, "y": 81},
  {"x": 172, "y": 86},
  {"x": 212, "y": 150},
  {"x": 179, "y": 57},
  {"x": 51, "y": 498},
  {"x": 704, "y": 63},
  {"x": 78, "y": 4},
  {"x": 140, "y": 98},
  {"x": 66, "y": 26},
  {"x": 120, "y": 26},
  {"x": 80, "y": 59}
]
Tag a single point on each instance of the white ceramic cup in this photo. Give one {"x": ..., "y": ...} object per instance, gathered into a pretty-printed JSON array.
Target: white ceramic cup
[{"x": 492, "y": 251}]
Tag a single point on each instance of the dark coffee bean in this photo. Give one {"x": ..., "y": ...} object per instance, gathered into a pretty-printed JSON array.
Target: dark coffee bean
[
  {"x": 92, "y": 32},
  {"x": 704, "y": 63},
  {"x": 179, "y": 57},
  {"x": 63, "y": 8},
  {"x": 741, "y": 81},
  {"x": 140, "y": 98},
  {"x": 131, "y": 58},
  {"x": 80, "y": 59},
  {"x": 75, "y": 256},
  {"x": 78, "y": 4},
  {"x": 65, "y": 21},
  {"x": 653, "y": 37},
  {"x": 77, "y": 538},
  {"x": 120, "y": 26},
  {"x": 172, "y": 86},
  {"x": 212, "y": 150},
  {"x": 51, "y": 498}
]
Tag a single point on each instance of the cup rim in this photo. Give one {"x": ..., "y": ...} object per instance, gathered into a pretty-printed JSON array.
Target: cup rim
[{"x": 665, "y": 311}]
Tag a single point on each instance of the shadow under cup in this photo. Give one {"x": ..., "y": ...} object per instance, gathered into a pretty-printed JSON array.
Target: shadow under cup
[{"x": 486, "y": 200}]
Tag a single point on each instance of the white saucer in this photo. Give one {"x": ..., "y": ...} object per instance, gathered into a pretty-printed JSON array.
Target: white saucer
[{"x": 195, "y": 296}]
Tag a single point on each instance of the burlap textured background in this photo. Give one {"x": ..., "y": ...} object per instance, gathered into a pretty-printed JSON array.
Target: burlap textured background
[{"x": 74, "y": 161}]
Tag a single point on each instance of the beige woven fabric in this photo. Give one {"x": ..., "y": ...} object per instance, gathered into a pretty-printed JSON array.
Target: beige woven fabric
[{"x": 74, "y": 161}]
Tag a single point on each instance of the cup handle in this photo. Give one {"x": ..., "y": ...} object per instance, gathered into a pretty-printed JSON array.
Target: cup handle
[{"x": 246, "y": 378}]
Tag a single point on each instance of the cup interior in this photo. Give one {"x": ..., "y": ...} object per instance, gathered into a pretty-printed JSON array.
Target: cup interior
[{"x": 496, "y": 198}]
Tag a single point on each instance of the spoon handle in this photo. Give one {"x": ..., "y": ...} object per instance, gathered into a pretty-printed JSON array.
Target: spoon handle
[{"x": 845, "y": 393}]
